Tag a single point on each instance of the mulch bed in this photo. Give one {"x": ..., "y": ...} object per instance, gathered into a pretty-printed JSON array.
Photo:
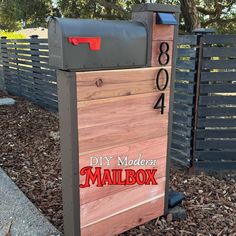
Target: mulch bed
[{"x": 30, "y": 155}]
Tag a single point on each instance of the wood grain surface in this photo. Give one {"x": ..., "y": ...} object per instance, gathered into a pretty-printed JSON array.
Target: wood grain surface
[
  {"x": 162, "y": 32},
  {"x": 120, "y": 202},
  {"x": 94, "y": 193},
  {"x": 127, "y": 219},
  {"x": 156, "y": 52},
  {"x": 134, "y": 129},
  {"x": 132, "y": 152},
  {"x": 116, "y": 118},
  {"x": 116, "y": 83}
]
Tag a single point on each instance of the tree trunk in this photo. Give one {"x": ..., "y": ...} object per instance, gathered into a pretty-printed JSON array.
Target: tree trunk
[{"x": 190, "y": 15}]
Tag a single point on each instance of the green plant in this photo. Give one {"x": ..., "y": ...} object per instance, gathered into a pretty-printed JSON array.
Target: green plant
[{"x": 12, "y": 35}]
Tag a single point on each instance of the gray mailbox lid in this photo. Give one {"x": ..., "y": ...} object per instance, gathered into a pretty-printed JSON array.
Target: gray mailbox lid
[{"x": 123, "y": 44}]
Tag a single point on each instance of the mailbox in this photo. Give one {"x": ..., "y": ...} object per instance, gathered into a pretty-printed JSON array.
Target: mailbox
[
  {"x": 115, "y": 95},
  {"x": 78, "y": 44}
]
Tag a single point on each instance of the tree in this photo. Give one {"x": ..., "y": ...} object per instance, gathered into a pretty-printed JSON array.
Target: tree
[
  {"x": 218, "y": 14},
  {"x": 29, "y": 13},
  {"x": 190, "y": 15},
  {"x": 8, "y": 20},
  {"x": 195, "y": 13}
]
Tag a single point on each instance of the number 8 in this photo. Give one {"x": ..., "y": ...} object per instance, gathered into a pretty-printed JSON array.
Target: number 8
[{"x": 164, "y": 52}]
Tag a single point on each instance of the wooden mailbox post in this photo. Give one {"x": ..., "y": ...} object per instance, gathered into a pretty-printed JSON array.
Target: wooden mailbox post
[{"x": 115, "y": 112}]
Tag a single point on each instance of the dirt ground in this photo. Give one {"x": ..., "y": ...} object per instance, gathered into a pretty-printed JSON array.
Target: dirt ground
[{"x": 29, "y": 153}]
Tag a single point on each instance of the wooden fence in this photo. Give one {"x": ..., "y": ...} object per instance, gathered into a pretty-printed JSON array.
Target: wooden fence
[
  {"x": 184, "y": 100},
  {"x": 204, "y": 119},
  {"x": 204, "y": 126},
  {"x": 26, "y": 71}
]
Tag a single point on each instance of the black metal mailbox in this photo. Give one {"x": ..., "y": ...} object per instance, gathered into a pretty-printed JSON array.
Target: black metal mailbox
[{"x": 78, "y": 44}]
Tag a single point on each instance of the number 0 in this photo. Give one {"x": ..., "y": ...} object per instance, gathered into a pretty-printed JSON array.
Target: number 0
[{"x": 166, "y": 79}]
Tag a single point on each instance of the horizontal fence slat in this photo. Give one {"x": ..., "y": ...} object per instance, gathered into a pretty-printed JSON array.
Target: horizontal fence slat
[
  {"x": 214, "y": 122},
  {"x": 218, "y": 88},
  {"x": 218, "y": 76},
  {"x": 32, "y": 83},
  {"x": 216, "y": 166},
  {"x": 182, "y": 107},
  {"x": 185, "y": 76},
  {"x": 180, "y": 138},
  {"x": 36, "y": 87},
  {"x": 28, "y": 57},
  {"x": 219, "y": 111},
  {"x": 217, "y": 133},
  {"x": 216, "y": 155},
  {"x": 38, "y": 40},
  {"x": 41, "y": 76},
  {"x": 176, "y": 127},
  {"x": 30, "y": 63},
  {"x": 217, "y": 100},
  {"x": 182, "y": 133},
  {"x": 181, "y": 118},
  {"x": 185, "y": 64},
  {"x": 27, "y": 68},
  {"x": 185, "y": 98},
  {"x": 184, "y": 87},
  {"x": 184, "y": 148},
  {"x": 219, "y": 52},
  {"x": 187, "y": 39},
  {"x": 216, "y": 144},
  {"x": 47, "y": 103},
  {"x": 184, "y": 155},
  {"x": 31, "y": 52},
  {"x": 24, "y": 46},
  {"x": 186, "y": 52},
  {"x": 219, "y": 64},
  {"x": 179, "y": 158},
  {"x": 219, "y": 39}
]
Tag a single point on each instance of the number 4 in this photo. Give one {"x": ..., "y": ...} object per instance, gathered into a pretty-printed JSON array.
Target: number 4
[{"x": 160, "y": 103}]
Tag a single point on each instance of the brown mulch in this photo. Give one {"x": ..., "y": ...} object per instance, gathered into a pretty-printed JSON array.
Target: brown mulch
[
  {"x": 30, "y": 156},
  {"x": 29, "y": 153}
]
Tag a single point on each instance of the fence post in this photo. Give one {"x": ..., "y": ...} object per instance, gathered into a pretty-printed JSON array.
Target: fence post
[
  {"x": 197, "y": 80},
  {"x": 18, "y": 80},
  {"x": 35, "y": 60},
  {"x": 5, "y": 60}
]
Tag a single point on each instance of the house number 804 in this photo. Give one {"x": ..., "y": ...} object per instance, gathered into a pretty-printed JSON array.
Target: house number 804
[{"x": 160, "y": 104}]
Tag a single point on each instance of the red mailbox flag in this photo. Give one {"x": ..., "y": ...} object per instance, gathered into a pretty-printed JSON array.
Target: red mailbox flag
[{"x": 94, "y": 42}]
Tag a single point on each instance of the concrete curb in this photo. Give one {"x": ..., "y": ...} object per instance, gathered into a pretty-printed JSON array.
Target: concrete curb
[{"x": 17, "y": 209}]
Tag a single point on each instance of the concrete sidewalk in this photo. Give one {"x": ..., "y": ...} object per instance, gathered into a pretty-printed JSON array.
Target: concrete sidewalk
[{"x": 17, "y": 209}]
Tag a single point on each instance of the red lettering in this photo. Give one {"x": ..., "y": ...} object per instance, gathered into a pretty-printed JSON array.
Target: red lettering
[
  {"x": 119, "y": 177},
  {"x": 96, "y": 177},
  {"x": 107, "y": 178},
  {"x": 151, "y": 176},
  {"x": 141, "y": 177},
  {"x": 114, "y": 177},
  {"x": 130, "y": 177}
]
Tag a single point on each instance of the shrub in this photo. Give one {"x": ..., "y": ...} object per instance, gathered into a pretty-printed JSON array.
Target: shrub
[{"x": 12, "y": 35}]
